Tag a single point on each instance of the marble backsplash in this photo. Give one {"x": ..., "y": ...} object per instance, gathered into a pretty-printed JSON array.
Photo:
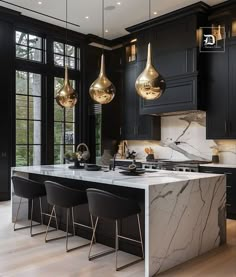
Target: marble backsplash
[{"x": 183, "y": 137}]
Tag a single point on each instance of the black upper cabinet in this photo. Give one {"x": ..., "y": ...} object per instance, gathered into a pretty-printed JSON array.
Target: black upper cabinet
[
  {"x": 221, "y": 112},
  {"x": 217, "y": 99},
  {"x": 135, "y": 126},
  {"x": 176, "y": 56}
]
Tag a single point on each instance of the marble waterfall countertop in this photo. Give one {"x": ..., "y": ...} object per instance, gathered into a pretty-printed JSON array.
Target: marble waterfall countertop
[
  {"x": 150, "y": 178},
  {"x": 184, "y": 211}
]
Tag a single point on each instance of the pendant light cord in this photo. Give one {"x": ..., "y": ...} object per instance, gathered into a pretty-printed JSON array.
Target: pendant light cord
[
  {"x": 149, "y": 9},
  {"x": 66, "y": 21},
  {"x": 103, "y": 35}
]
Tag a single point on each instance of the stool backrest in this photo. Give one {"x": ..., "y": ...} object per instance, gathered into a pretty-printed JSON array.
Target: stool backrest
[
  {"x": 107, "y": 205},
  {"x": 27, "y": 188},
  {"x": 64, "y": 196}
]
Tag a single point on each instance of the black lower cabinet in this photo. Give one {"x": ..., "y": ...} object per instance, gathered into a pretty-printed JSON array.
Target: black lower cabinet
[
  {"x": 230, "y": 187},
  {"x": 135, "y": 126}
]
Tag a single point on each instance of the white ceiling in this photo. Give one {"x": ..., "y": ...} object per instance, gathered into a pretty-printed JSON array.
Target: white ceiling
[{"x": 128, "y": 13}]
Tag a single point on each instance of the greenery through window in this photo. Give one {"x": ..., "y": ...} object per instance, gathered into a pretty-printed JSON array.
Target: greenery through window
[
  {"x": 29, "y": 47},
  {"x": 28, "y": 118},
  {"x": 64, "y": 126},
  {"x": 65, "y": 54}
]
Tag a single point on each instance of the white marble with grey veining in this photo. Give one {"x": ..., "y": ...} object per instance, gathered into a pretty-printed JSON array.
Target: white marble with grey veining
[
  {"x": 183, "y": 137},
  {"x": 184, "y": 211}
]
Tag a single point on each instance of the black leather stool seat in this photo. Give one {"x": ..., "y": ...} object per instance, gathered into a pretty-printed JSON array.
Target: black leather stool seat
[
  {"x": 103, "y": 204},
  {"x": 107, "y": 205},
  {"x": 27, "y": 188},
  {"x": 63, "y": 196}
]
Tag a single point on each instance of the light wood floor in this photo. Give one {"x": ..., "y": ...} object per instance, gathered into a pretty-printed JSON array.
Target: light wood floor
[{"x": 21, "y": 255}]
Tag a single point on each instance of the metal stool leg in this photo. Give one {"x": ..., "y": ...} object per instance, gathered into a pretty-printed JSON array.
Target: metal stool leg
[
  {"x": 140, "y": 234},
  {"x": 73, "y": 225},
  {"x": 49, "y": 222},
  {"x": 117, "y": 243},
  {"x": 122, "y": 237},
  {"x": 28, "y": 226},
  {"x": 93, "y": 257}
]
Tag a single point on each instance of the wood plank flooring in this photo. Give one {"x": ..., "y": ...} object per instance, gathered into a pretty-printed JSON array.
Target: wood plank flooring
[{"x": 23, "y": 256}]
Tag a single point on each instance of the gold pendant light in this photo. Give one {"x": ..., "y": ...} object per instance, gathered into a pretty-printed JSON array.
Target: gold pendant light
[
  {"x": 66, "y": 97},
  {"x": 150, "y": 84},
  {"x": 102, "y": 91}
]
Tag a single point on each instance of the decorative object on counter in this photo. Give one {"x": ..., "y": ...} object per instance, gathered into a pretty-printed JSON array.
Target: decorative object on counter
[
  {"x": 106, "y": 157},
  {"x": 80, "y": 157},
  {"x": 131, "y": 155},
  {"x": 150, "y": 154},
  {"x": 132, "y": 169},
  {"x": 122, "y": 149},
  {"x": 215, "y": 155},
  {"x": 150, "y": 84},
  {"x": 102, "y": 90},
  {"x": 92, "y": 167},
  {"x": 66, "y": 97}
]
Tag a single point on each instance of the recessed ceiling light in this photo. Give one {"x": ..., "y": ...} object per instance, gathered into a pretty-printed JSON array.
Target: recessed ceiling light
[
  {"x": 155, "y": 13},
  {"x": 118, "y": 3},
  {"x": 106, "y": 31},
  {"x": 40, "y": 3},
  {"x": 87, "y": 17}
]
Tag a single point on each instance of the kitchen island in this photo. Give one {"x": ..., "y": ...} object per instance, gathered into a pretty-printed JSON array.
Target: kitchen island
[{"x": 184, "y": 213}]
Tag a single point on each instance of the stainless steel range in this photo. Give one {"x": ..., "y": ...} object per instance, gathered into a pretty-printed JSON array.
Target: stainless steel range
[{"x": 187, "y": 166}]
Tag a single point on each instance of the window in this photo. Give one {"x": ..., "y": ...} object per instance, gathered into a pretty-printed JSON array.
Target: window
[
  {"x": 28, "y": 118},
  {"x": 29, "y": 47},
  {"x": 64, "y": 127},
  {"x": 65, "y": 54}
]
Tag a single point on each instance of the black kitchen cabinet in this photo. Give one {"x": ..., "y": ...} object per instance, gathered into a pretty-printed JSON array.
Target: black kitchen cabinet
[
  {"x": 221, "y": 112},
  {"x": 135, "y": 126},
  {"x": 177, "y": 58},
  {"x": 230, "y": 187}
]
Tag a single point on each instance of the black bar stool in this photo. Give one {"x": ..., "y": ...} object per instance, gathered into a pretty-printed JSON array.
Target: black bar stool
[
  {"x": 26, "y": 188},
  {"x": 65, "y": 197},
  {"x": 106, "y": 205}
]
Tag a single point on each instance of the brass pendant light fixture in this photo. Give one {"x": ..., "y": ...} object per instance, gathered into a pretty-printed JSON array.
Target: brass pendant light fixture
[
  {"x": 66, "y": 97},
  {"x": 150, "y": 84},
  {"x": 102, "y": 91}
]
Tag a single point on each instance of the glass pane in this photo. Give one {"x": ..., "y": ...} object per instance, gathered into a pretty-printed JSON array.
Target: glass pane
[
  {"x": 70, "y": 50},
  {"x": 69, "y": 148},
  {"x": 34, "y": 108},
  {"x": 34, "y": 84},
  {"x": 35, "y": 55},
  {"x": 69, "y": 115},
  {"x": 21, "y": 52},
  {"x": 21, "y": 82},
  {"x": 78, "y": 53},
  {"x": 58, "y": 83},
  {"x": 35, "y": 41},
  {"x": 58, "y": 47},
  {"x": 21, "y": 132},
  {"x": 34, "y": 155},
  {"x": 69, "y": 134},
  {"x": 58, "y": 112},
  {"x": 21, "y": 106},
  {"x": 34, "y": 132},
  {"x": 21, "y": 38},
  {"x": 70, "y": 62},
  {"x": 58, "y": 133},
  {"x": 58, "y": 60},
  {"x": 21, "y": 155},
  {"x": 59, "y": 154}
]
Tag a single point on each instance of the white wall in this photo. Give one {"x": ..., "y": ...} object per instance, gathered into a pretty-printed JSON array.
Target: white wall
[{"x": 190, "y": 131}]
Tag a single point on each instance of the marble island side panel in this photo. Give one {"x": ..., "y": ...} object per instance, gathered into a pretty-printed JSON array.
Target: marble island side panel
[{"x": 186, "y": 219}]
